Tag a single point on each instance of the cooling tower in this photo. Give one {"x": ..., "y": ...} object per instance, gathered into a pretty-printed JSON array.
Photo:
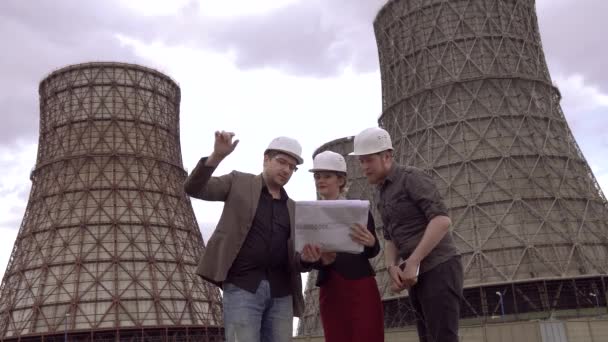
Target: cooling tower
[
  {"x": 108, "y": 245},
  {"x": 467, "y": 97}
]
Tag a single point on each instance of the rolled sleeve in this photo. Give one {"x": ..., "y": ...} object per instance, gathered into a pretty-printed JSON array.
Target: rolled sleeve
[
  {"x": 424, "y": 193},
  {"x": 372, "y": 251}
]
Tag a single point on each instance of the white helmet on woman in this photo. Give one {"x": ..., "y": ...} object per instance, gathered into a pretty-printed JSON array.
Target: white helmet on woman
[{"x": 328, "y": 161}]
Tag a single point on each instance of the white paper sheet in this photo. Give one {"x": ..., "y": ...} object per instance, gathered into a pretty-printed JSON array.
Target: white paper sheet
[{"x": 327, "y": 224}]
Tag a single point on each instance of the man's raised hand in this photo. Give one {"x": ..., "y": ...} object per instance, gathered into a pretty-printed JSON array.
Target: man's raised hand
[{"x": 222, "y": 147}]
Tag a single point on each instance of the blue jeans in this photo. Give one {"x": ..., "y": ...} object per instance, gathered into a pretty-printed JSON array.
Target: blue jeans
[{"x": 252, "y": 317}]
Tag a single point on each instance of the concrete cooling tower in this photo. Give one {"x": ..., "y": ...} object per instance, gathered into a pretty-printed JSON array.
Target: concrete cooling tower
[
  {"x": 467, "y": 97},
  {"x": 109, "y": 242}
]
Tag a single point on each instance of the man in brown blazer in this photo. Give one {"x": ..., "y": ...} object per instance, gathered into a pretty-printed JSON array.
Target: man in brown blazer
[{"x": 251, "y": 253}]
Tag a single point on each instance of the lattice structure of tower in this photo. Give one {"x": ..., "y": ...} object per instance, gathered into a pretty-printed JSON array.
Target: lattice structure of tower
[
  {"x": 108, "y": 245},
  {"x": 467, "y": 97}
]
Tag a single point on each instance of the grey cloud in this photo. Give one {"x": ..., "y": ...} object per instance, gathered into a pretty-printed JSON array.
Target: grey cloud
[
  {"x": 320, "y": 38},
  {"x": 574, "y": 38},
  {"x": 41, "y": 36},
  {"x": 305, "y": 39},
  {"x": 312, "y": 38},
  {"x": 291, "y": 38}
]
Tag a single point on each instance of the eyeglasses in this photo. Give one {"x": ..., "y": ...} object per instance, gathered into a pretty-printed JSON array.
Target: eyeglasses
[{"x": 285, "y": 163}]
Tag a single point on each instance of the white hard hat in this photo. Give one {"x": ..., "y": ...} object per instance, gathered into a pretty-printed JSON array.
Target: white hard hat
[
  {"x": 328, "y": 161},
  {"x": 287, "y": 145},
  {"x": 371, "y": 140}
]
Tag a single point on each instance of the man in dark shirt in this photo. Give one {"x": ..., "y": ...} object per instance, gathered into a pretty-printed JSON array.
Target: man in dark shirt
[
  {"x": 251, "y": 253},
  {"x": 416, "y": 230},
  {"x": 263, "y": 255}
]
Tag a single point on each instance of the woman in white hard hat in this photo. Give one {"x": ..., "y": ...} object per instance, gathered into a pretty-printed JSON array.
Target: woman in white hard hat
[{"x": 349, "y": 300}]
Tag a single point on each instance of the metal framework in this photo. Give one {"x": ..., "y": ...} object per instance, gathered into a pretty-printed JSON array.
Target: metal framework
[
  {"x": 467, "y": 96},
  {"x": 108, "y": 245}
]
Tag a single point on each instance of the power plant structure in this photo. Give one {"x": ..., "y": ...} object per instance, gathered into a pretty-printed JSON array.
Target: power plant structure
[
  {"x": 108, "y": 246},
  {"x": 467, "y": 97}
]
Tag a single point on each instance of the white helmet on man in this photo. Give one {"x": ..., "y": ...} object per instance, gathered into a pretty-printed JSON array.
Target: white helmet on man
[
  {"x": 371, "y": 140},
  {"x": 288, "y": 146},
  {"x": 328, "y": 161}
]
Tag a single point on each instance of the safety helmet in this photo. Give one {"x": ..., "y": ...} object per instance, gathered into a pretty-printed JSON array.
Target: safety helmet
[
  {"x": 371, "y": 140},
  {"x": 328, "y": 161},
  {"x": 288, "y": 146}
]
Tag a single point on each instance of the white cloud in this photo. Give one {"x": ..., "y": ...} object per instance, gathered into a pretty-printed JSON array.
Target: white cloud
[
  {"x": 309, "y": 38},
  {"x": 211, "y": 8},
  {"x": 600, "y": 170},
  {"x": 573, "y": 38},
  {"x": 42, "y": 36},
  {"x": 586, "y": 110},
  {"x": 602, "y": 179},
  {"x": 6, "y": 247},
  {"x": 239, "y": 8},
  {"x": 154, "y": 7},
  {"x": 578, "y": 95},
  {"x": 16, "y": 163}
]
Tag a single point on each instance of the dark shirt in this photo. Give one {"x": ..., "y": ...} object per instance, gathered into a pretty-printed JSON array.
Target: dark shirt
[
  {"x": 349, "y": 265},
  {"x": 264, "y": 251},
  {"x": 408, "y": 200}
]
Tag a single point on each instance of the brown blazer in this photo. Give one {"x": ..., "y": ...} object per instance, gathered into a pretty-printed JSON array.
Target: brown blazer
[{"x": 240, "y": 193}]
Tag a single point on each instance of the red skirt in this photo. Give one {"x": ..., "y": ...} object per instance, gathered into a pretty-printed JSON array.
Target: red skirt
[{"x": 351, "y": 310}]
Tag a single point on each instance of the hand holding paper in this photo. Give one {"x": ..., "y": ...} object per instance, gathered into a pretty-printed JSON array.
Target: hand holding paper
[
  {"x": 361, "y": 235},
  {"x": 310, "y": 253},
  {"x": 328, "y": 224}
]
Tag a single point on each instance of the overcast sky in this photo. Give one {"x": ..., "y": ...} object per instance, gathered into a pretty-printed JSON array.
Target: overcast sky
[{"x": 259, "y": 68}]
